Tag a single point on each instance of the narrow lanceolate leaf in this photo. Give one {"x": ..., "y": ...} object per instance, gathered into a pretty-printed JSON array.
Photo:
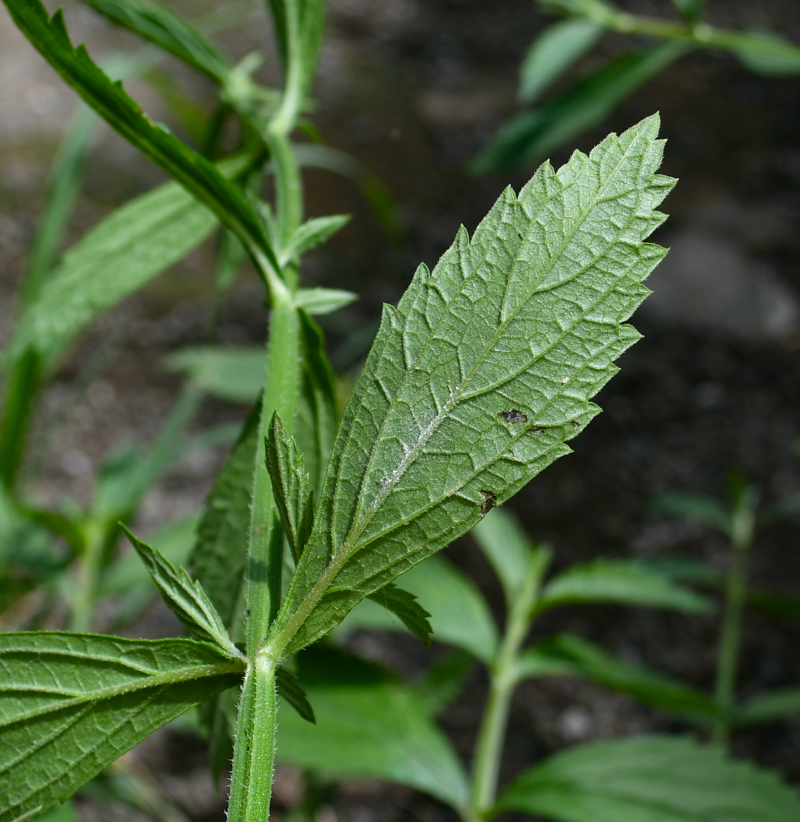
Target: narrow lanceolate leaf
[
  {"x": 311, "y": 234},
  {"x": 218, "y": 559},
  {"x": 652, "y": 778},
  {"x": 405, "y": 607},
  {"x": 70, "y": 704},
  {"x": 112, "y": 261},
  {"x": 108, "y": 99},
  {"x": 481, "y": 374},
  {"x": 290, "y": 486},
  {"x": 587, "y": 102},
  {"x": 290, "y": 689},
  {"x": 185, "y": 598},
  {"x": 173, "y": 33},
  {"x": 553, "y": 52},
  {"x": 315, "y": 301},
  {"x": 567, "y": 655},
  {"x": 767, "y": 54},
  {"x": 768, "y": 707},
  {"x": 622, "y": 582},
  {"x": 231, "y": 373}
]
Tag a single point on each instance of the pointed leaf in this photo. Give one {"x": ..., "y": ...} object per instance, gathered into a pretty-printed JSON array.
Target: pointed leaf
[
  {"x": 311, "y": 234},
  {"x": 508, "y": 550},
  {"x": 317, "y": 301},
  {"x": 230, "y": 373},
  {"x": 767, "y": 54},
  {"x": 652, "y": 779},
  {"x": 290, "y": 486},
  {"x": 108, "y": 99},
  {"x": 170, "y": 31},
  {"x": 218, "y": 559},
  {"x": 553, "y": 52},
  {"x": 20, "y": 389},
  {"x": 768, "y": 707},
  {"x": 694, "y": 507},
  {"x": 112, "y": 261},
  {"x": 621, "y": 581},
  {"x": 70, "y": 704},
  {"x": 534, "y": 134},
  {"x": 185, "y": 598},
  {"x": 404, "y": 605},
  {"x": 568, "y": 655},
  {"x": 459, "y": 614},
  {"x": 290, "y": 689},
  {"x": 481, "y": 374}
]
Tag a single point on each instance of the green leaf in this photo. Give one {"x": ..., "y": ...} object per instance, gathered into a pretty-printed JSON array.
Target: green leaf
[
  {"x": 229, "y": 373},
  {"x": 553, "y": 52},
  {"x": 112, "y": 261},
  {"x": 569, "y": 655},
  {"x": 768, "y": 707},
  {"x": 481, "y": 374},
  {"x": 651, "y": 779},
  {"x": 290, "y": 486},
  {"x": 290, "y": 689},
  {"x": 692, "y": 10},
  {"x": 683, "y": 569},
  {"x": 587, "y": 102},
  {"x": 624, "y": 582},
  {"x": 443, "y": 682},
  {"x": 693, "y": 507},
  {"x": 317, "y": 301},
  {"x": 108, "y": 99},
  {"x": 311, "y": 234},
  {"x": 218, "y": 560},
  {"x": 59, "y": 525},
  {"x": 372, "y": 729},
  {"x": 508, "y": 550},
  {"x": 459, "y": 614},
  {"x": 170, "y": 31},
  {"x": 767, "y": 54},
  {"x": 70, "y": 704},
  {"x": 405, "y": 607},
  {"x": 20, "y": 390},
  {"x": 186, "y": 599}
]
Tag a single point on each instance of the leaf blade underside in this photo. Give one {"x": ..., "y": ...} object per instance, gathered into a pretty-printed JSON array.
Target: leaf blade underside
[
  {"x": 481, "y": 374},
  {"x": 70, "y": 704}
]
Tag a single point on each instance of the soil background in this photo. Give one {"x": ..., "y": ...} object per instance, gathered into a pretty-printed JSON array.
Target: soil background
[{"x": 414, "y": 89}]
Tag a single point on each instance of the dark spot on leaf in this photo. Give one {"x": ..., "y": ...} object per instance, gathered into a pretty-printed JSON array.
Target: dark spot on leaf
[
  {"x": 575, "y": 424},
  {"x": 488, "y": 502},
  {"x": 519, "y": 234},
  {"x": 513, "y": 416},
  {"x": 536, "y": 431}
]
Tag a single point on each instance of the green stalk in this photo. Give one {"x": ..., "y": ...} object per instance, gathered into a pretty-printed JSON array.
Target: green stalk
[
  {"x": 742, "y": 536},
  {"x": 88, "y": 572},
  {"x": 254, "y": 752},
  {"x": 502, "y": 681}
]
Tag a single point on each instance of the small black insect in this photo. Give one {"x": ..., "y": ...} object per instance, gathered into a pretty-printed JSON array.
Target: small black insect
[
  {"x": 513, "y": 416},
  {"x": 488, "y": 502}
]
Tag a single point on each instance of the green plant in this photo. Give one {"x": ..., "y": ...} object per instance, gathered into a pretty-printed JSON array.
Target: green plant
[
  {"x": 740, "y": 521},
  {"x": 475, "y": 383},
  {"x": 589, "y": 99}
]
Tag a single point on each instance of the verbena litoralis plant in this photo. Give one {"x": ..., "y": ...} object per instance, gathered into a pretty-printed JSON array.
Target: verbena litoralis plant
[
  {"x": 740, "y": 520},
  {"x": 589, "y": 99},
  {"x": 476, "y": 381}
]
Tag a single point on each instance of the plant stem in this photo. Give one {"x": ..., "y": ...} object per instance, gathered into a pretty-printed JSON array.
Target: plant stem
[
  {"x": 254, "y": 750},
  {"x": 83, "y": 599},
  {"x": 742, "y": 535},
  {"x": 502, "y": 681}
]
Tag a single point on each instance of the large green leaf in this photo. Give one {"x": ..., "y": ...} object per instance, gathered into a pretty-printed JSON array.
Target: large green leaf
[
  {"x": 112, "y": 261},
  {"x": 70, "y": 704},
  {"x": 587, "y": 102},
  {"x": 651, "y": 779},
  {"x": 108, "y": 99},
  {"x": 622, "y": 581},
  {"x": 165, "y": 28},
  {"x": 369, "y": 726},
  {"x": 459, "y": 614},
  {"x": 481, "y": 374},
  {"x": 568, "y": 655}
]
